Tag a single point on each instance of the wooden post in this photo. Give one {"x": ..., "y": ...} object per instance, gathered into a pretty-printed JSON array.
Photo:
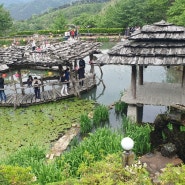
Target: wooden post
[
  {"x": 42, "y": 83},
  {"x": 183, "y": 77},
  {"x": 133, "y": 81},
  {"x": 54, "y": 92},
  {"x": 15, "y": 91},
  {"x": 20, "y": 80},
  {"x": 91, "y": 62},
  {"x": 140, "y": 75}
]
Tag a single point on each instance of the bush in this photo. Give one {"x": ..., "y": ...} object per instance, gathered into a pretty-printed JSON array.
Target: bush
[{"x": 16, "y": 175}]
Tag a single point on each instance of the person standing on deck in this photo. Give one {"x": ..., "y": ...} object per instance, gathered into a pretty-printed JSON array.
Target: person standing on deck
[
  {"x": 2, "y": 93},
  {"x": 29, "y": 81},
  {"x": 63, "y": 79},
  {"x": 36, "y": 84}
]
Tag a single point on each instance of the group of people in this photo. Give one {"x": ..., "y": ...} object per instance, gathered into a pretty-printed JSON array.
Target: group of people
[
  {"x": 73, "y": 33},
  {"x": 35, "y": 83},
  {"x": 65, "y": 76}
]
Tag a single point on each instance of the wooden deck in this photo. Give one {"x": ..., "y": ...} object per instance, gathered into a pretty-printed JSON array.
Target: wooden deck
[
  {"x": 53, "y": 93},
  {"x": 167, "y": 94}
]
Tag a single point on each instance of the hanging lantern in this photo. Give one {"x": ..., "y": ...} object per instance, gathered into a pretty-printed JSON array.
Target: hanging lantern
[
  {"x": 4, "y": 75},
  {"x": 50, "y": 73}
]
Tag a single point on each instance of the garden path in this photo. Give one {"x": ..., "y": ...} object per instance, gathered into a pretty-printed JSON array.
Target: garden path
[{"x": 62, "y": 144}]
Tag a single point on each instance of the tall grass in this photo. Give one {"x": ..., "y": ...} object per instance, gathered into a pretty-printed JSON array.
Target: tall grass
[
  {"x": 140, "y": 135},
  {"x": 96, "y": 147},
  {"x": 100, "y": 115},
  {"x": 85, "y": 124}
]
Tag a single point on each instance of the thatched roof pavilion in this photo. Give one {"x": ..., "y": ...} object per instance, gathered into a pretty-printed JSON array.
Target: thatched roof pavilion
[
  {"x": 56, "y": 55},
  {"x": 59, "y": 53},
  {"x": 159, "y": 44}
]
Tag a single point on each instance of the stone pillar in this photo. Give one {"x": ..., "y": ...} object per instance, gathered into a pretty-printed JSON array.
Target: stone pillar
[{"x": 140, "y": 75}]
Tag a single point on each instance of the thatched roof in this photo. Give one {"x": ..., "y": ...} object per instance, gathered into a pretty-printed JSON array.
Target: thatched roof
[
  {"x": 62, "y": 53},
  {"x": 159, "y": 44}
]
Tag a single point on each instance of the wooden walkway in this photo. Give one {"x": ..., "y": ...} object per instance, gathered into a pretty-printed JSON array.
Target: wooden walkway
[
  {"x": 52, "y": 94},
  {"x": 167, "y": 94}
]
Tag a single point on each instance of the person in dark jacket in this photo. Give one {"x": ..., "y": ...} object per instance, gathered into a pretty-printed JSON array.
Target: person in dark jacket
[{"x": 2, "y": 93}]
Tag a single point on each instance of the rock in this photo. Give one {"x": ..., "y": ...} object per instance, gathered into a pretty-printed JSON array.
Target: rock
[{"x": 168, "y": 150}]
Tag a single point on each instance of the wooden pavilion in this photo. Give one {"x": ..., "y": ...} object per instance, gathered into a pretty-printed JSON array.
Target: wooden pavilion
[
  {"x": 52, "y": 56},
  {"x": 159, "y": 44}
]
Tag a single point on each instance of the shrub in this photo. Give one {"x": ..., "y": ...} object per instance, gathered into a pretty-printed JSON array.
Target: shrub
[
  {"x": 173, "y": 175},
  {"x": 16, "y": 175}
]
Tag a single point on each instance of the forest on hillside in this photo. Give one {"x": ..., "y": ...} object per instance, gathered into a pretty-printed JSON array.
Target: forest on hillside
[{"x": 110, "y": 14}]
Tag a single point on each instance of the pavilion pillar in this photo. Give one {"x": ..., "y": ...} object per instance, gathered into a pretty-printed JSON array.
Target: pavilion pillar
[
  {"x": 133, "y": 81},
  {"x": 140, "y": 82},
  {"x": 60, "y": 68},
  {"x": 91, "y": 63},
  {"x": 15, "y": 90},
  {"x": 183, "y": 77},
  {"x": 21, "y": 83}
]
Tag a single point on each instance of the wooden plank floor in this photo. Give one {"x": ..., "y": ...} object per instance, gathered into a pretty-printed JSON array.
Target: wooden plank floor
[
  {"x": 46, "y": 96},
  {"x": 153, "y": 93}
]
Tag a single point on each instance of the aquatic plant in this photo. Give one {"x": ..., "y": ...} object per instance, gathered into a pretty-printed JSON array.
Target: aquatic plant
[
  {"x": 39, "y": 125},
  {"x": 85, "y": 124},
  {"x": 121, "y": 107},
  {"x": 100, "y": 115},
  {"x": 139, "y": 133},
  {"x": 94, "y": 148}
]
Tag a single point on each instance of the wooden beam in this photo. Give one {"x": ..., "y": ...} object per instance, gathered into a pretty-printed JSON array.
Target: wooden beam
[{"x": 133, "y": 81}]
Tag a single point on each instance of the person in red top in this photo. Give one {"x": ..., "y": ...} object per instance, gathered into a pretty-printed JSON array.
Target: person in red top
[{"x": 72, "y": 33}]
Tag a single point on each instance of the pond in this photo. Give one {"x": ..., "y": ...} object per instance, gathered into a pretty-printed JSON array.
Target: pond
[{"x": 117, "y": 78}]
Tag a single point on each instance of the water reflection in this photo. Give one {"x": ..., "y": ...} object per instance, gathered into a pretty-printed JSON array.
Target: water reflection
[{"x": 117, "y": 78}]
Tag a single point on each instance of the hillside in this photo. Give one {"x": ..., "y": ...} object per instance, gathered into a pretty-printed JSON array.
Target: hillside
[
  {"x": 46, "y": 20},
  {"x": 22, "y": 11}
]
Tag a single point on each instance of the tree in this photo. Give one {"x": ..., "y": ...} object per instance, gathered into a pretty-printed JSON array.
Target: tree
[
  {"x": 5, "y": 20},
  {"x": 176, "y": 13},
  {"x": 59, "y": 22},
  {"x": 85, "y": 20}
]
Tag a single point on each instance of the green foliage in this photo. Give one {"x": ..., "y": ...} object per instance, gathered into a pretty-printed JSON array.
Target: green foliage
[
  {"x": 140, "y": 135},
  {"x": 170, "y": 126},
  {"x": 102, "y": 39},
  {"x": 176, "y": 13},
  {"x": 109, "y": 171},
  {"x": 182, "y": 128},
  {"x": 173, "y": 175},
  {"x": 5, "y": 21},
  {"x": 15, "y": 175},
  {"x": 121, "y": 107},
  {"x": 59, "y": 22},
  {"x": 100, "y": 115},
  {"x": 45, "y": 124},
  {"x": 85, "y": 124},
  {"x": 96, "y": 147},
  {"x": 24, "y": 156},
  {"x": 5, "y": 43}
]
